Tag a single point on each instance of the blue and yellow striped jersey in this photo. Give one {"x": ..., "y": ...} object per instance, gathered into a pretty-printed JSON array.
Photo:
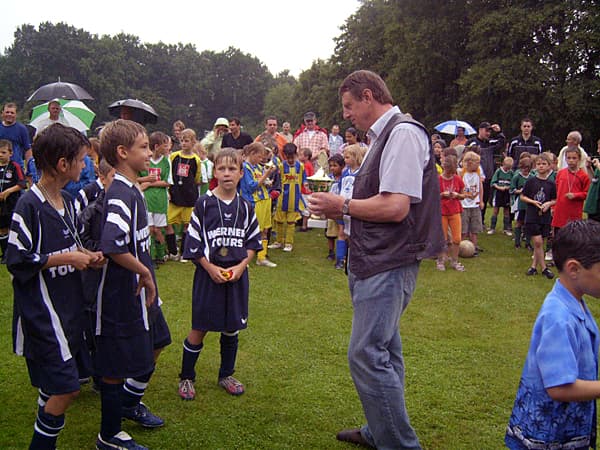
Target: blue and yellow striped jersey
[{"x": 292, "y": 178}]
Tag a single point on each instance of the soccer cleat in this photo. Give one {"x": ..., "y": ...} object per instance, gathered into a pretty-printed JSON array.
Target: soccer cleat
[
  {"x": 275, "y": 245},
  {"x": 340, "y": 264},
  {"x": 548, "y": 256},
  {"x": 174, "y": 257},
  {"x": 142, "y": 415},
  {"x": 121, "y": 441},
  {"x": 491, "y": 231},
  {"x": 331, "y": 256},
  {"x": 531, "y": 271},
  {"x": 548, "y": 273},
  {"x": 288, "y": 248},
  {"x": 439, "y": 264},
  {"x": 457, "y": 266},
  {"x": 507, "y": 232},
  {"x": 231, "y": 385},
  {"x": 186, "y": 390},
  {"x": 265, "y": 262},
  {"x": 183, "y": 261}
]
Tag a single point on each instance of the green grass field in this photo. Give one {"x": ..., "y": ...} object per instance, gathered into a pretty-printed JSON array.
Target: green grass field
[{"x": 465, "y": 336}]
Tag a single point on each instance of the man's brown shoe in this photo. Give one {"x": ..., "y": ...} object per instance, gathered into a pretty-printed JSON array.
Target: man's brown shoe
[{"x": 353, "y": 436}]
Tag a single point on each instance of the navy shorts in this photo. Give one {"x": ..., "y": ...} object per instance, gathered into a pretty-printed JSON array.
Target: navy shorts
[
  {"x": 161, "y": 336},
  {"x": 59, "y": 378},
  {"x": 124, "y": 357},
  {"x": 537, "y": 229},
  {"x": 219, "y": 307}
]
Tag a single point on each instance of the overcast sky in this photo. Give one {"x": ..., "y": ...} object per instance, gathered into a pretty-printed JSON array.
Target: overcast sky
[{"x": 283, "y": 34}]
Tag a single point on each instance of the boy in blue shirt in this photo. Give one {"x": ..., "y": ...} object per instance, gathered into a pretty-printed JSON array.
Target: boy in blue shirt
[
  {"x": 555, "y": 405},
  {"x": 130, "y": 327}
]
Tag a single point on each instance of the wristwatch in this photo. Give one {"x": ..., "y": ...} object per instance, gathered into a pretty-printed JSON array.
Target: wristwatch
[{"x": 346, "y": 207}]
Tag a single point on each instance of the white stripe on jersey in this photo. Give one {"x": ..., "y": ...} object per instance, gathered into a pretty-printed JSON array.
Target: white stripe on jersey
[
  {"x": 116, "y": 219},
  {"x": 192, "y": 231},
  {"x": 22, "y": 226},
  {"x": 59, "y": 334},
  {"x": 13, "y": 238},
  {"x": 20, "y": 338},
  {"x": 99, "y": 301},
  {"x": 121, "y": 205},
  {"x": 137, "y": 276}
]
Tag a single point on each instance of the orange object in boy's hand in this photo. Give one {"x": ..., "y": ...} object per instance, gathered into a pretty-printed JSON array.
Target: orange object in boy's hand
[{"x": 227, "y": 274}]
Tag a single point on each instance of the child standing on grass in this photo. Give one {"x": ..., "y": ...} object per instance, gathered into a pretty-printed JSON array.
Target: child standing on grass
[
  {"x": 206, "y": 170},
  {"x": 572, "y": 184},
  {"x": 130, "y": 329},
  {"x": 155, "y": 191},
  {"x": 539, "y": 194},
  {"x": 305, "y": 157},
  {"x": 501, "y": 195},
  {"x": 186, "y": 173},
  {"x": 45, "y": 256},
  {"x": 555, "y": 402},
  {"x": 451, "y": 192},
  {"x": 336, "y": 168},
  {"x": 222, "y": 239},
  {"x": 472, "y": 203},
  {"x": 254, "y": 188},
  {"x": 12, "y": 182},
  {"x": 290, "y": 204},
  {"x": 519, "y": 207}
]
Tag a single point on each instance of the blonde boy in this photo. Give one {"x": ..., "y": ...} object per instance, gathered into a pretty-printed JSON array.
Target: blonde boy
[{"x": 472, "y": 203}]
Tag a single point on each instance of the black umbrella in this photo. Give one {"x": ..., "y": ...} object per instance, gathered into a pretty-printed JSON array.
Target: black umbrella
[
  {"x": 133, "y": 109},
  {"x": 59, "y": 89}
]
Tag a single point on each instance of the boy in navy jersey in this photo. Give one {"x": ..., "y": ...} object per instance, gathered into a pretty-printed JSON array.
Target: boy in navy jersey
[
  {"x": 222, "y": 239},
  {"x": 130, "y": 328},
  {"x": 45, "y": 256}
]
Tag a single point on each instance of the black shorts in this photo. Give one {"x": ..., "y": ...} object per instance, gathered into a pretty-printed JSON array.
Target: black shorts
[
  {"x": 538, "y": 229},
  {"x": 124, "y": 357},
  {"x": 500, "y": 199},
  {"x": 520, "y": 215},
  {"x": 54, "y": 379},
  {"x": 159, "y": 330}
]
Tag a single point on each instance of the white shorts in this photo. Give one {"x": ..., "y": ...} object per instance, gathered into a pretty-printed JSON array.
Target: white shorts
[{"x": 158, "y": 220}]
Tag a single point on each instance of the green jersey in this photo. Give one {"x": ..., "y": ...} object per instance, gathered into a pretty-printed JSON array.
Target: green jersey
[{"x": 156, "y": 197}]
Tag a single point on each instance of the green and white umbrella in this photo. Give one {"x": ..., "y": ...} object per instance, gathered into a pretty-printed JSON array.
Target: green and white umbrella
[{"x": 74, "y": 113}]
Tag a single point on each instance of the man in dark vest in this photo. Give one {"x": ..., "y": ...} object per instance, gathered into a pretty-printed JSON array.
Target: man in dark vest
[{"x": 395, "y": 223}]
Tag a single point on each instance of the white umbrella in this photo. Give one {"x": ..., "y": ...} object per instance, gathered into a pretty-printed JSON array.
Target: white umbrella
[{"x": 450, "y": 127}]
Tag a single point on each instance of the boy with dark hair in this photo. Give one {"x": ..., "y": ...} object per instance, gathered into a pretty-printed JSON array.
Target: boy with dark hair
[
  {"x": 130, "y": 328},
  {"x": 44, "y": 256},
  {"x": 11, "y": 183},
  {"x": 290, "y": 204},
  {"x": 222, "y": 239},
  {"x": 539, "y": 193},
  {"x": 555, "y": 402}
]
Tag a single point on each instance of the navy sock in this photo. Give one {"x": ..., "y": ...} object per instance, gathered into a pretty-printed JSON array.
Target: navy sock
[
  {"x": 229, "y": 347},
  {"x": 188, "y": 361},
  {"x": 493, "y": 222},
  {"x": 133, "y": 390},
  {"x": 110, "y": 395},
  {"x": 507, "y": 222},
  {"x": 518, "y": 235},
  {"x": 183, "y": 241},
  {"x": 340, "y": 250},
  {"x": 171, "y": 243},
  {"x": 46, "y": 430},
  {"x": 3, "y": 243}
]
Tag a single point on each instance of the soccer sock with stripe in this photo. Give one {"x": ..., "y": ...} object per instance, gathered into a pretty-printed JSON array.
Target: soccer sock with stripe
[
  {"x": 133, "y": 390},
  {"x": 110, "y": 396},
  {"x": 188, "y": 360},
  {"x": 229, "y": 347},
  {"x": 46, "y": 430},
  {"x": 340, "y": 250},
  {"x": 289, "y": 233}
]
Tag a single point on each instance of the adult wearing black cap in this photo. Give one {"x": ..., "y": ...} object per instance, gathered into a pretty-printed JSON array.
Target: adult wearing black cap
[{"x": 488, "y": 146}]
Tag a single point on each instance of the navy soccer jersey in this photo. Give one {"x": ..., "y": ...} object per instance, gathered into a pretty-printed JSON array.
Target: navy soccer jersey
[
  {"x": 87, "y": 195},
  {"x": 48, "y": 303},
  {"x": 222, "y": 233},
  {"x": 120, "y": 312}
]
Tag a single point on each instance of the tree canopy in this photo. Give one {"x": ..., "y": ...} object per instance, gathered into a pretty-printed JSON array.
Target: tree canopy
[{"x": 473, "y": 60}]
